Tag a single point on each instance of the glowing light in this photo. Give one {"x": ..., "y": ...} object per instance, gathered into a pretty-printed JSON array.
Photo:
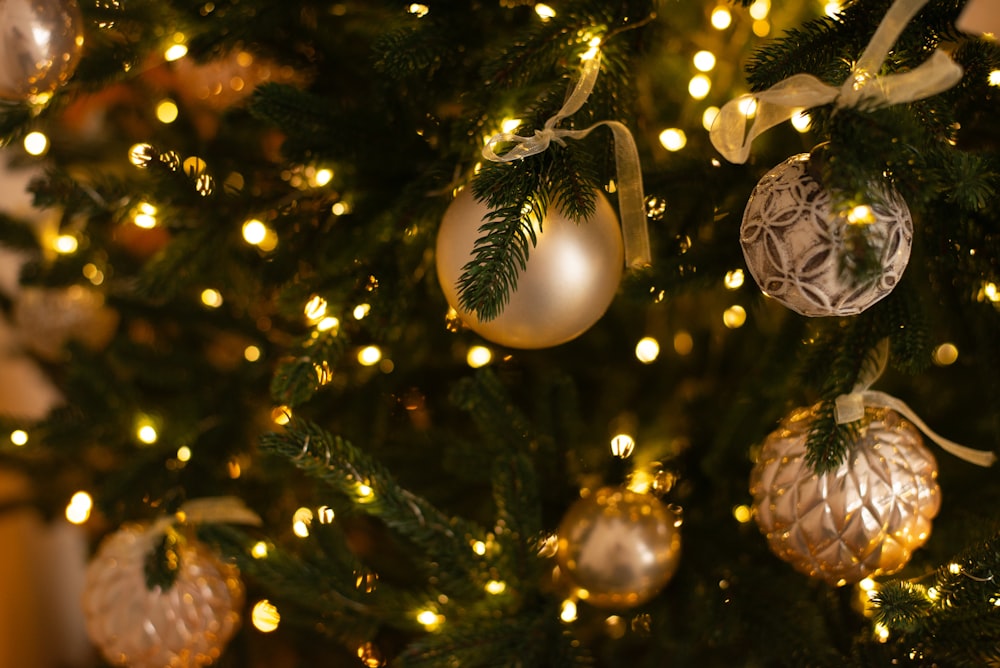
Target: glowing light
[
  {"x": 19, "y": 437},
  {"x": 140, "y": 154},
  {"x": 760, "y": 9},
  {"x": 867, "y": 584},
  {"x": 251, "y": 353},
  {"x": 591, "y": 53},
  {"x": 801, "y": 121},
  {"x": 265, "y": 616},
  {"x": 479, "y": 547},
  {"x": 933, "y": 593},
  {"x": 544, "y": 12},
  {"x": 994, "y": 78},
  {"x": 369, "y": 355},
  {"x": 945, "y": 354},
  {"x": 495, "y": 587},
  {"x": 175, "y": 52},
  {"x": 79, "y": 507},
  {"x": 91, "y": 272},
  {"x": 211, "y": 298},
  {"x": 327, "y": 324},
  {"x": 65, "y": 244},
  {"x": 721, "y": 18},
  {"x": 146, "y": 433},
  {"x": 340, "y": 208},
  {"x": 622, "y": 446},
  {"x": 166, "y": 111},
  {"x": 861, "y": 215},
  {"x": 254, "y": 232},
  {"x": 430, "y": 619},
  {"x": 568, "y": 611},
  {"x": 647, "y": 350},
  {"x": 323, "y": 176},
  {"x": 234, "y": 469},
  {"x": 704, "y": 61},
  {"x": 747, "y": 106},
  {"x": 742, "y": 513},
  {"x": 478, "y": 356},
  {"x": 734, "y": 317},
  {"x": 315, "y": 309},
  {"x": 673, "y": 139},
  {"x": 640, "y": 481},
  {"x": 326, "y": 514},
  {"x": 881, "y": 632},
  {"x": 991, "y": 292},
  {"x": 259, "y": 550},
  {"x": 301, "y": 519},
  {"x": 145, "y": 216},
  {"x": 361, "y": 311},
  {"x": 683, "y": 343},
  {"x": 734, "y": 279},
  {"x": 418, "y": 10},
  {"x": 36, "y": 143},
  {"x": 281, "y": 415},
  {"x": 708, "y": 117},
  {"x": 365, "y": 493},
  {"x": 699, "y": 86},
  {"x": 954, "y": 568},
  {"x": 184, "y": 454},
  {"x": 510, "y": 124},
  {"x": 370, "y": 656},
  {"x": 832, "y": 8}
]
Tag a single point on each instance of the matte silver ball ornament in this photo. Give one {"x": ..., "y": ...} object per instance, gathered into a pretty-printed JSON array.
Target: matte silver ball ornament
[
  {"x": 572, "y": 274},
  {"x": 621, "y": 546},
  {"x": 795, "y": 245},
  {"x": 864, "y": 518},
  {"x": 40, "y": 45}
]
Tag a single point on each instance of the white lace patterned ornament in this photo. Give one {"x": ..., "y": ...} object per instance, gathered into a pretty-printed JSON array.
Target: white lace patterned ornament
[
  {"x": 795, "y": 245},
  {"x": 864, "y": 518},
  {"x": 184, "y": 626}
]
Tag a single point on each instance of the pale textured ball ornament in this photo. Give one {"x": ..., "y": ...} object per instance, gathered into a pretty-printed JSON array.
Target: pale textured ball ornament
[
  {"x": 40, "y": 45},
  {"x": 621, "y": 546},
  {"x": 864, "y": 518},
  {"x": 184, "y": 626},
  {"x": 795, "y": 245},
  {"x": 572, "y": 274}
]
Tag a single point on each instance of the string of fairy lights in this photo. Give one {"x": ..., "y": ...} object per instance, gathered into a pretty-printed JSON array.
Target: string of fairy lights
[{"x": 257, "y": 233}]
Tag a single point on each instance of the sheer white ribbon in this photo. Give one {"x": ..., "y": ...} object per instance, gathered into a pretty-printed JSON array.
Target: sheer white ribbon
[
  {"x": 635, "y": 234},
  {"x": 851, "y": 407},
  {"x": 209, "y": 510},
  {"x": 863, "y": 89}
]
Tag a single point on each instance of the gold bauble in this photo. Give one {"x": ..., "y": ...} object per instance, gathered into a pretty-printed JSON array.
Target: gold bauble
[
  {"x": 40, "y": 46},
  {"x": 621, "y": 546},
  {"x": 864, "y": 518},
  {"x": 571, "y": 277},
  {"x": 185, "y": 626}
]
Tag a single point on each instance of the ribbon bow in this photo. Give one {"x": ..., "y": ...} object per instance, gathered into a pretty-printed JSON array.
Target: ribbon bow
[
  {"x": 209, "y": 510},
  {"x": 635, "y": 235},
  {"x": 863, "y": 89},
  {"x": 850, "y": 407}
]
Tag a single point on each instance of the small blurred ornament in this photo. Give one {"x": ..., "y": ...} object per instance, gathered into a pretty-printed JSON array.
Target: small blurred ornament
[
  {"x": 40, "y": 45},
  {"x": 46, "y": 319},
  {"x": 621, "y": 546},
  {"x": 572, "y": 274},
  {"x": 183, "y": 624},
  {"x": 796, "y": 248},
  {"x": 864, "y": 518}
]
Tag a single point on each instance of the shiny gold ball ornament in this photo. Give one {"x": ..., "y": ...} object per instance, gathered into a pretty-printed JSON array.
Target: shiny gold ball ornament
[
  {"x": 186, "y": 625},
  {"x": 862, "y": 519},
  {"x": 40, "y": 45},
  {"x": 571, "y": 277},
  {"x": 621, "y": 546},
  {"x": 796, "y": 247}
]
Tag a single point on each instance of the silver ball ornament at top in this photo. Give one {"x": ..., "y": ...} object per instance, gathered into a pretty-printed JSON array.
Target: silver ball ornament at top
[
  {"x": 40, "y": 45},
  {"x": 620, "y": 546},
  {"x": 795, "y": 245},
  {"x": 572, "y": 273},
  {"x": 865, "y": 517}
]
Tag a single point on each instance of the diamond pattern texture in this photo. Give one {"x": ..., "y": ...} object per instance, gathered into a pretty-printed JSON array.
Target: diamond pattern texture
[
  {"x": 864, "y": 518},
  {"x": 795, "y": 249}
]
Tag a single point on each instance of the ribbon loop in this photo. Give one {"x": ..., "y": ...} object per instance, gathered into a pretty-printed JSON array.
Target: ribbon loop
[
  {"x": 863, "y": 88},
  {"x": 635, "y": 233},
  {"x": 209, "y": 510}
]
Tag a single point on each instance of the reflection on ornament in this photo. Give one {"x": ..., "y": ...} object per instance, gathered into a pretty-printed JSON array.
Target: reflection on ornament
[
  {"x": 622, "y": 547},
  {"x": 571, "y": 276},
  {"x": 40, "y": 46},
  {"x": 187, "y": 624},
  {"x": 796, "y": 247},
  {"x": 864, "y": 518}
]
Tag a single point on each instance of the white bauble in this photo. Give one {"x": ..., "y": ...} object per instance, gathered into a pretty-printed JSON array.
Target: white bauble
[
  {"x": 40, "y": 45},
  {"x": 794, "y": 243},
  {"x": 572, "y": 274}
]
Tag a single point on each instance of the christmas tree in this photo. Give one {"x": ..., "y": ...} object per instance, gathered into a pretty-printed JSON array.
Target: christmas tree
[{"x": 509, "y": 334}]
